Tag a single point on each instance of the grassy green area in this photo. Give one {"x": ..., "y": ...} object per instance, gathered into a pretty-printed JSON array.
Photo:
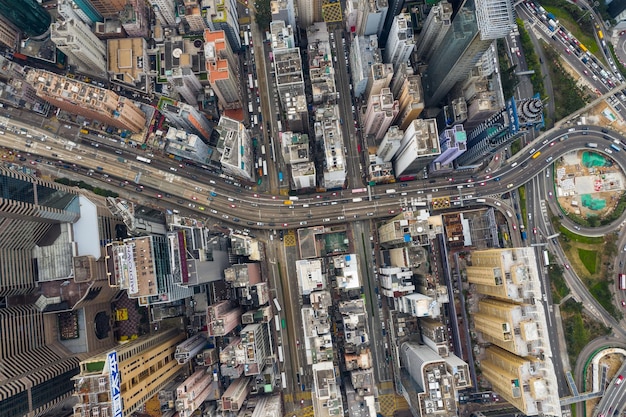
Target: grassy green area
[
  {"x": 589, "y": 258},
  {"x": 522, "y": 203},
  {"x": 84, "y": 185},
  {"x": 591, "y": 240},
  {"x": 569, "y": 96},
  {"x": 558, "y": 285},
  {"x": 579, "y": 328},
  {"x": 601, "y": 291},
  {"x": 532, "y": 61},
  {"x": 516, "y": 146},
  {"x": 507, "y": 72}
]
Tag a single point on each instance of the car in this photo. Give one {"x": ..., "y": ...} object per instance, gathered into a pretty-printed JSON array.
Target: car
[
  {"x": 482, "y": 183},
  {"x": 297, "y": 343},
  {"x": 550, "y": 194},
  {"x": 192, "y": 205},
  {"x": 213, "y": 211},
  {"x": 470, "y": 180},
  {"x": 33, "y": 163},
  {"x": 623, "y": 303},
  {"x": 370, "y": 214},
  {"x": 301, "y": 402},
  {"x": 487, "y": 177},
  {"x": 392, "y": 211},
  {"x": 567, "y": 266},
  {"x": 233, "y": 206},
  {"x": 619, "y": 379},
  {"x": 200, "y": 208},
  {"x": 303, "y": 223},
  {"x": 285, "y": 224},
  {"x": 327, "y": 219},
  {"x": 404, "y": 184},
  {"x": 159, "y": 195},
  {"x": 138, "y": 189},
  {"x": 534, "y": 230},
  {"x": 514, "y": 227},
  {"x": 552, "y": 143}
]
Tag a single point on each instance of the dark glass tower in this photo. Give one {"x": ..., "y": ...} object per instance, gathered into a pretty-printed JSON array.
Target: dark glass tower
[{"x": 27, "y": 15}]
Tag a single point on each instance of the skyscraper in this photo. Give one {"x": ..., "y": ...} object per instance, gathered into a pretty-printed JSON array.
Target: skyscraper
[
  {"x": 47, "y": 231},
  {"x": 76, "y": 40},
  {"x": 28, "y": 16},
  {"x": 475, "y": 26},
  {"x": 400, "y": 42}
]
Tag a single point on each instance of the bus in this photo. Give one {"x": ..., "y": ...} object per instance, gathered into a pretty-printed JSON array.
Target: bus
[
  {"x": 264, "y": 168},
  {"x": 284, "y": 380},
  {"x": 546, "y": 259},
  {"x": 277, "y": 322},
  {"x": 615, "y": 147},
  {"x": 582, "y": 47},
  {"x": 536, "y": 154},
  {"x": 277, "y": 305},
  {"x": 281, "y": 358},
  {"x": 359, "y": 190},
  {"x": 246, "y": 39},
  {"x": 622, "y": 281},
  {"x": 250, "y": 110},
  {"x": 144, "y": 160},
  {"x": 250, "y": 82}
]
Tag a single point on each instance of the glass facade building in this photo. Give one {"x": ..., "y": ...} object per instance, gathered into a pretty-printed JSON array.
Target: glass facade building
[
  {"x": 27, "y": 15},
  {"x": 476, "y": 25}
]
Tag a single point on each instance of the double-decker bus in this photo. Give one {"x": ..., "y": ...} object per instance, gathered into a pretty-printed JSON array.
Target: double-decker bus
[
  {"x": 144, "y": 160},
  {"x": 622, "y": 281}
]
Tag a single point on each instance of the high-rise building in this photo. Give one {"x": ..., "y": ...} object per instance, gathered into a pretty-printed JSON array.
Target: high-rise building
[
  {"x": 420, "y": 146},
  {"x": 76, "y": 40},
  {"x": 28, "y": 16},
  {"x": 328, "y": 131},
  {"x": 364, "y": 54},
  {"x": 290, "y": 86},
  {"x": 309, "y": 12},
  {"x": 508, "y": 325},
  {"x": 326, "y": 395},
  {"x": 321, "y": 70},
  {"x": 474, "y": 27},
  {"x": 164, "y": 11},
  {"x": 390, "y": 144},
  {"x": 180, "y": 62},
  {"x": 435, "y": 27},
  {"x": 503, "y": 273},
  {"x": 379, "y": 78},
  {"x": 50, "y": 245},
  {"x": 127, "y": 58},
  {"x": 187, "y": 146},
  {"x": 400, "y": 43},
  {"x": 400, "y": 74},
  {"x": 370, "y": 16},
  {"x": 222, "y": 318},
  {"x": 107, "y": 8},
  {"x": 515, "y": 378},
  {"x": 9, "y": 35},
  {"x": 430, "y": 381},
  {"x": 453, "y": 143},
  {"x": 124, "y": 379},
  {"x": 411, "y": 101},
  {"x": 143, "y": 267},
  {"x": 381, "y": 110},
  {"x": 185, "y": 117},
  {"x": 222, "y": 15},
  {"x": 235, "y": 147},
  {"x": 221, "y": 69},
  {"x": 193, "y": 16},
  {"x": 283, "y": 10},
  {"x": 134, "y": 19},
  {"x": 87, "y": 100},
  {"x": 68, "y": 10}
]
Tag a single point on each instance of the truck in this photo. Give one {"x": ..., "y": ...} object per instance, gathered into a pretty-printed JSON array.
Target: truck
[
  {"x": 552, "y": 22},
  {"x": 591, "y": 145},
  {"x": 280, "y": 176},
  {"x": 390, "y": 191},
  {"x": 524, "y": 235}
]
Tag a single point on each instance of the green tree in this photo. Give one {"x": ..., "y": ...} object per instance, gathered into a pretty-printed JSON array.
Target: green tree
[{"x": 263, "y": 14}]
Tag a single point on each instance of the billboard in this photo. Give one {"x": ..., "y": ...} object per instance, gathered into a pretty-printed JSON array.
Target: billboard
[{"x": 115, "y": 382}]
